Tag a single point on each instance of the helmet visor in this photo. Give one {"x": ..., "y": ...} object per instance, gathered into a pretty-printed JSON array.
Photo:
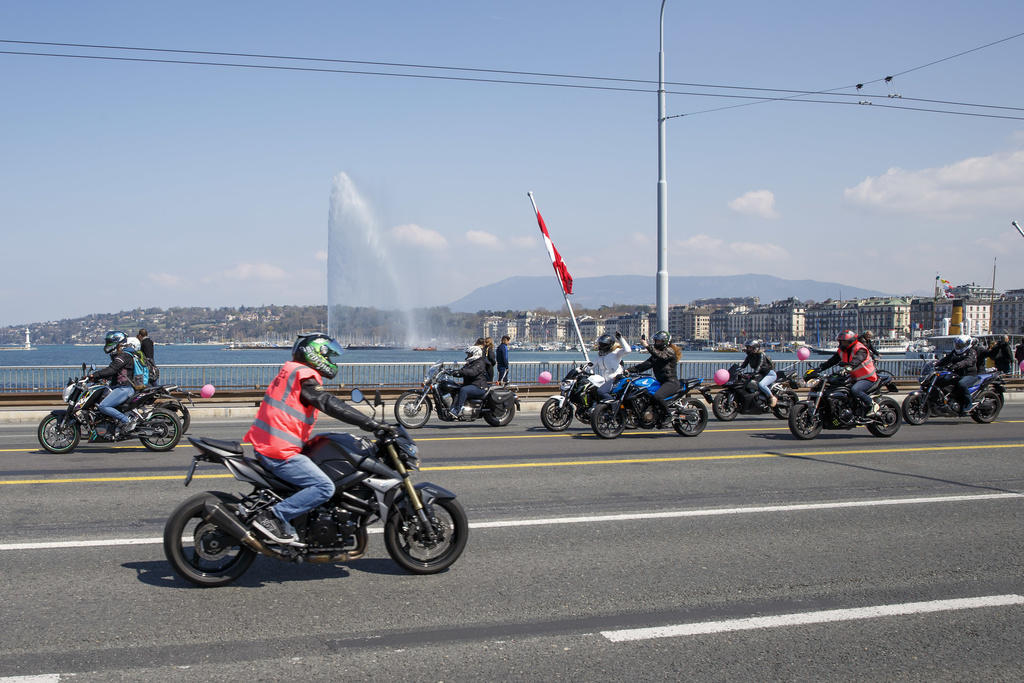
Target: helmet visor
[{"x": 332, "y": 349}]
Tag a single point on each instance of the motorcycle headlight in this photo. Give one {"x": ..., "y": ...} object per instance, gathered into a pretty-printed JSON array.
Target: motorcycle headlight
[
  {"x": 566, "y": 385},
  {"x": 67, "y": 392}
]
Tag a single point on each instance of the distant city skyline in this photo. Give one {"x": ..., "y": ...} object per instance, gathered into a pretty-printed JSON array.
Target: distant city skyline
[{"x": 133, "y": 181}]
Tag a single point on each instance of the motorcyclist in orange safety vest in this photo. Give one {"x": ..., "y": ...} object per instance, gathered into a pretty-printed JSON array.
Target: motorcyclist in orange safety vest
[
  {"x": 856, "y": 357},
  {"x": 283, "y": 424}
]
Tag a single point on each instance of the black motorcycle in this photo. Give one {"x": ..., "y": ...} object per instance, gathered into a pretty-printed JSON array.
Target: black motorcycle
[
  {"x": 62, "y": 430},
  {"x": 578, "y": 397},
  {"x": 633, "y": 405},
  {"x": 829, "y": 405},
  {"x": 210, "y": 541},
  {"x": 936, "y": 399},
  {"x": 741, "y": 395},
  {"x": 438, "y": 391},
  {"x": 169, "y": 397}
]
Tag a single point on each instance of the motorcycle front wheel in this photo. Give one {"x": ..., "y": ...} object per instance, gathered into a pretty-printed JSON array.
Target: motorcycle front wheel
[
  {"x": 500, "y": 415},
  {"x": 56, "y": 439},
  {"x": 408, "y": 414},
  {"x": 988, "y": 407},
  {"x": 915, "y": 409},
  {"x": 605, "y": 422},
  {"x": 414, "y": 551},
  {"x": 556, "y": 417},
  {"x": 724, "y": 406},
  {"x": 889, "y": 413},
  {"x": 166, "y": 431},
  {"x": 210, "y": 556},
  {"x": 802, "y": 424},
  {"x": 692, "y": 421}
]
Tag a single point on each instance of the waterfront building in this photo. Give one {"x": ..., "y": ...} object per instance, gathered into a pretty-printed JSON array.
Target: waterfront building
[
  {"x": 787, "y": 320},
  {"x": 1008, "y": 313},
  {"x": 689, "y": 323},
  {"x": 887, "y": 317},
  {"x": 590, "y": 328},
  {"x": 824, "y": 321},
  {"x": 631, "y": 325}
]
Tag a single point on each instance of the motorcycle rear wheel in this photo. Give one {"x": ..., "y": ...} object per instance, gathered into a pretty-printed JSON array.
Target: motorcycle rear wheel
[
  {"x": 988, "y": 407},
  {"x": 801, "y": 424},
  {"x": 180, "y": 412},
  {"x": 693, "y": 421},
  {"x": 168, "y": 428},
  {"x": 408, "y": 414},
  {"x": 404, "y": 543},
  {"x": 556, "y": 417},
  {"x": 605, "y": 423},
  {"x": 915, "y": 409},
  {"x": 724, "y": 406},
  {"x": 785, "y": 402},
  {"x": 500, "y": 415},
  {"x": 56, "y": 439},
  {"x": 214, "y": 557},
  {"x": 889, "y": 411}
]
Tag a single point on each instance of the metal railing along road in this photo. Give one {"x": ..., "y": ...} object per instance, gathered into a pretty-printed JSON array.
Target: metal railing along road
[{"x": 256, "y": 377}]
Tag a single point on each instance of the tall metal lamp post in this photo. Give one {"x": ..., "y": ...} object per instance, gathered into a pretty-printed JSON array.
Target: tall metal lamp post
[{"x": 662, "y": 276}]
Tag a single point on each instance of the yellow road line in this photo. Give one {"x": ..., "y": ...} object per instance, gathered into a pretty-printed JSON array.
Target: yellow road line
[{"x": 560, "y": 463}]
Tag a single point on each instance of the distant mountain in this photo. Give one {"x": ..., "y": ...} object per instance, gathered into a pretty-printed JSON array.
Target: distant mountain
[{"x": 525, "y": 293}]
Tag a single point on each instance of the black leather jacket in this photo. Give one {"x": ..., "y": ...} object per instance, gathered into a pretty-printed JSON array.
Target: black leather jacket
[
  {"x": 662, "y": 362},
  {"x": 314, "y": 395}
]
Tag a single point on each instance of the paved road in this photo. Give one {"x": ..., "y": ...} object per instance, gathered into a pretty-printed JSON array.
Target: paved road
[{"x": 860, "y": 558}]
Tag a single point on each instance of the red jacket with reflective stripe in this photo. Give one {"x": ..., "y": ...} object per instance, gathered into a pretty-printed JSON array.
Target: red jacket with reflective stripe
[
  {"x": 283, "y": 423},
  {"x": 865, "y": 370}
]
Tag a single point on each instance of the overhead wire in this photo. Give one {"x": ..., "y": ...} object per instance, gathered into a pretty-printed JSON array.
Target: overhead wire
[{"x": 795, "y": 96}]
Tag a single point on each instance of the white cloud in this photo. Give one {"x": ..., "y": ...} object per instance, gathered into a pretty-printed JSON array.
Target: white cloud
[
  {"x": 756, "y": 203},
  {"x": 721, "y": 257},
  {"x": 413, "y": 235},
  {"x": 966, "y": 187},
  {"x": 483, "y": 239},
  {"x": 255, "y": 271},
  {"x": 320, "y": 255},
  {"x": 165, "y": 279}
]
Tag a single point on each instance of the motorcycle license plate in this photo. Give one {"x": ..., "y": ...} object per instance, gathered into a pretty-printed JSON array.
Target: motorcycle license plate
[{"x": 191, "y": 471}]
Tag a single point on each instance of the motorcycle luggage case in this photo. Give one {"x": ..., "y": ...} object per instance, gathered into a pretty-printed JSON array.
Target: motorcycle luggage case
[{"x": 503, "y": 396}]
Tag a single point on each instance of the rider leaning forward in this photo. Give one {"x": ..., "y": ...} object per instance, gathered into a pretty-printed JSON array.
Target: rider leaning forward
[
  {"x": 853, "y": 354},
  {"x": 285, "y": 422},
  {"x": 120, "y": 372}
]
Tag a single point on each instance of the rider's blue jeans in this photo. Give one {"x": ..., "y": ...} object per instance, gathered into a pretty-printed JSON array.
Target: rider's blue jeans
[
  {"x": 116, "y": 397},
  {"x": 301, "y": 471},
  {"x": 766, "y": 383},
  {"x": 467, "y": 391},
  {"x": 859, "y": 391}
]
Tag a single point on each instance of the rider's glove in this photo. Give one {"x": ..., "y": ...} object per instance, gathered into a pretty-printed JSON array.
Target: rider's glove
[{"x": 383, "y": 431}]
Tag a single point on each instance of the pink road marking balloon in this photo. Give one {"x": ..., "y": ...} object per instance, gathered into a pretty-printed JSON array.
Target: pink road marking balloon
[
  {"x": 803, "y": 353},
  {"x": 207, "y": 390},
  {"x": 544, "y": 377},
  {"x": 721, "y": 376}
]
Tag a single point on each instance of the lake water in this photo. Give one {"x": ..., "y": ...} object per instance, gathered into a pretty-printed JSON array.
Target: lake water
[{"x": 208, "y": 354}]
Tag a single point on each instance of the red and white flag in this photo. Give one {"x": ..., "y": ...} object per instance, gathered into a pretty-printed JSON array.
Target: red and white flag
[{"x": 556, "y": 259}]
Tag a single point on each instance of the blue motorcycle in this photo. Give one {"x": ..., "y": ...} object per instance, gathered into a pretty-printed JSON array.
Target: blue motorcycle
[
  {"x": 935, "y": 397},
  {"x": 633, "y": 405}
]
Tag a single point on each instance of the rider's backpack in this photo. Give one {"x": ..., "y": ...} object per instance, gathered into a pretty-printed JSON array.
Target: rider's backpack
[
  {"x": 154, "y": 371},
  {"x": 141, "y": 378}
]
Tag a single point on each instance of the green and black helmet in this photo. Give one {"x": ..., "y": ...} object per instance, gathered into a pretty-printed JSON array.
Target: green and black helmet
[
  {"x": 319, "y": 352},
  {"x": 113, "y": 339}
]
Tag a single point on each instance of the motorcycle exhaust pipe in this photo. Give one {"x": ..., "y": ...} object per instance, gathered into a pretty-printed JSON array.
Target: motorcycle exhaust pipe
[{"x": 215, "y": 513}]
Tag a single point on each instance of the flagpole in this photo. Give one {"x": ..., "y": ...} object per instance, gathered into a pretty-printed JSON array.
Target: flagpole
[{"x": 565, "y": 296}]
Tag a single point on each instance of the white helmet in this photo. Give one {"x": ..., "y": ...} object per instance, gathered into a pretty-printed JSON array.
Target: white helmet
[
  {"x": 473, "y": 352},
  {"x": 134, "y": 343},
  {"x": 961, "y": 343}
]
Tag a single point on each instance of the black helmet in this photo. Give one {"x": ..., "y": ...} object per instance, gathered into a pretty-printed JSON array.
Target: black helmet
[
  {"x": 319, "y": 352},
  {"x": 661, "y": 339},
  {"x": 113, "y": 339},
  {"x": 605, "y": 343},
  {"x": 846, "y": 338},
  {"x": 753, "y": 346}
]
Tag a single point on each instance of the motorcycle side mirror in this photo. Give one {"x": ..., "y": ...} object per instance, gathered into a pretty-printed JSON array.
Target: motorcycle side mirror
[
  {"x": 83, "y": 368},
  {"x": 357, "y": 396}
]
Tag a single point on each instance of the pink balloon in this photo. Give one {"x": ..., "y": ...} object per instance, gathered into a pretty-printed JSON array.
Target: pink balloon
[
  {"x": 207, "y": 390},
  {"x": 721, "y": 376},
  {"x": 544, "y": 377},
  {"x": 803, "y": 353},
  {"x": 1022, "y": 366}
]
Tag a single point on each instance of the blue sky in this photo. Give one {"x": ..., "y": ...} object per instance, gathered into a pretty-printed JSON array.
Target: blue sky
[{"x": 130, "y": 184}]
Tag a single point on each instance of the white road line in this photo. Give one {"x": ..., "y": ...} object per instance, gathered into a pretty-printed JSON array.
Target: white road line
[
  {"x": 591, "y": 519},
  {"x": 800, "y": 619},
  {"x": 40, "y": 678}
]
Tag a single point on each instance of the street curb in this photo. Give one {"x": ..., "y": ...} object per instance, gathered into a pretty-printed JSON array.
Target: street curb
[{"x": 234, "y": 412}]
